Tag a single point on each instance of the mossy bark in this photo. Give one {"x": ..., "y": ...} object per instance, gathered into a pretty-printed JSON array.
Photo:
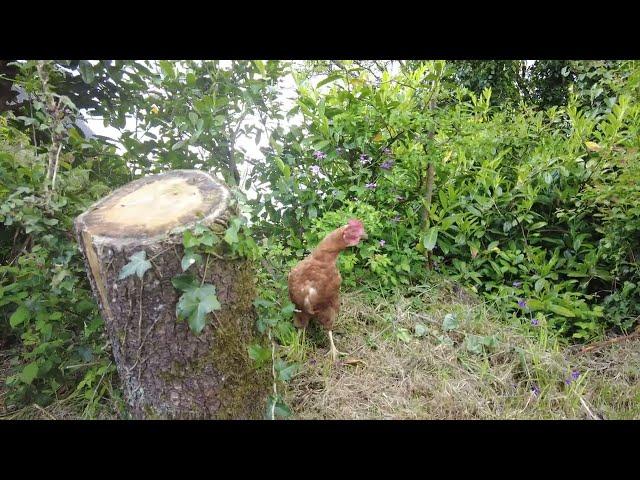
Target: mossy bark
[{"x": 166, "y": 370}]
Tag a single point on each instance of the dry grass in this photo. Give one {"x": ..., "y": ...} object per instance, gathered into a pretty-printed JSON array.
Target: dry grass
[
  {"x": 438, "y": 376},
  {"x": 397, "y": 371}
]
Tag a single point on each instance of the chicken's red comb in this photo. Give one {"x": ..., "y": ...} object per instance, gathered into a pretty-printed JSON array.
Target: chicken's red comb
[{"x": 355, "y": 223}]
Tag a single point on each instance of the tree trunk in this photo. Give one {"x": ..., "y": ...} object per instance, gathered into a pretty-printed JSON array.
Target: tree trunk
[
  {"x": 166, "y": 370},
  {"x": 427, "y": 205}
]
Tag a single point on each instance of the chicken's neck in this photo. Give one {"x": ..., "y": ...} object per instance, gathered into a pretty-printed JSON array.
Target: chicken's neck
[{"x": 329, "y": 248}]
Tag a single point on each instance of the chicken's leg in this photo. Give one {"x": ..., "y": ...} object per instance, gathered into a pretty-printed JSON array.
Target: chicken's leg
[{"x": 334, "y": 351}]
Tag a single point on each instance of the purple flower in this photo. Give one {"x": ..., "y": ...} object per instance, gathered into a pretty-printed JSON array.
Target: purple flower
[
  {"x": 574, "y": 376},
  {"x": 522, "y": 304},
  {"x": 319, "y": 155},
  {"x": 371, "y": 186},
  {"x": 382, "y": 242},
  {"x": 387, "y": 151},
  {"x": 400, "y": 198},
  {"x": 386, "y": 165},
  {"x": 517, "y": 284},
  {"x": 315, "y": 169},
  {"x": 364, "y": 159},
  {"x": 534, "y": 322},
  {"x": 535, "y": 390}
]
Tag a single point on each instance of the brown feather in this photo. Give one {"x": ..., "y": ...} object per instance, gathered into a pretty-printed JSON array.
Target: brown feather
[{"x": 314, "y": 283}]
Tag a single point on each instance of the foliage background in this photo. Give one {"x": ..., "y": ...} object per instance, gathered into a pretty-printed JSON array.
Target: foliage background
[{"x": 520, "y": 182}]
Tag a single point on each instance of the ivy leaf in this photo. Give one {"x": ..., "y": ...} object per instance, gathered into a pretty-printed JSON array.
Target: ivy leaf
[
  {"x": 280, "y": 409},
  {"x": 189, "y": 240},
  {"x": 420, "y": 330},
  {"x": 288, "y": 309},
  {"x": 138, "y": 264},
  {"x": 473, "y": 344},
  {"x": 199, "y": 229},
  {"x": 208, "y": 239},
  {"x": 189, "y": 259},
  {"x": 285, "y": 371},
  {"x": 19, "y": 316},
  {"x": 185, "y": 282},
  {"x": 231, "y": 235},
  {"x": 195, "y": 304},
  {"x": 450, "y": 322}
]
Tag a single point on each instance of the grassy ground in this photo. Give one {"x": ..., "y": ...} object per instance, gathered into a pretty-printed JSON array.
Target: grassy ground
[
  {"x": 435, "y": 352},
  {"x": 404, "y": 365}
]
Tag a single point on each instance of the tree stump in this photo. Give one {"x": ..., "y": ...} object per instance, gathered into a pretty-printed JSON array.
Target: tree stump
[{"x": 167, "y": 371}]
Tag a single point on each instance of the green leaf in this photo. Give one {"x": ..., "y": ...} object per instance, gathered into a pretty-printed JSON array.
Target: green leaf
[
  {"x": 231, "y": 235},
  {"x": 29, "y": 373},
  {"x": 329, "y": 79},
  {"x": 473, "y": 344},
  {"x": 565, "y": 312},
  {"x": 288, "y": 309},
  {"x": 450, "y": 322},
  {"x": 430, "y": 239},
  {"x": 404, "y": 335},
  {"x": 184, "y": 282},
  {"x": 420, "y": 330},
  {"x": 189, "y": 259},
  {"x": 535, "y": 304},
  {"x": 208, "y": 239},
  {"x": 276, "y": 408},
  {"x": 195, "y": 304},
  {"x": 167, "y": 69},
  {"x": 178, "y": 145},
  {"x": 539, "y": 285},
  {"x": 260, "y": 66},
  {"x": 19, "y": 316},
  {"x": 259, "y": 353},
  {"x": 86, "y": 71},
  {"x": 285, "y": 371},
  {"x": 138, "y": 264},
  {"x": 189, "y": 240},
  {"x": 259, "y": 302}
]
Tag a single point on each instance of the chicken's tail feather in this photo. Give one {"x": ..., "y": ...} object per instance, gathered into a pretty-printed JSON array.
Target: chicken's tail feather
[{"x": 308, "y": 299}]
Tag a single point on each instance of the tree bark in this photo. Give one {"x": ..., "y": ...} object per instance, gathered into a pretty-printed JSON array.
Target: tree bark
[{"x": 166, "y": 370}]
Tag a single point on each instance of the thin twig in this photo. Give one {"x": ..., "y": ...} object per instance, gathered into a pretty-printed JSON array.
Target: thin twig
[
  {"x": 204, "y": 276},
  {"x": 273, "y": 374},
  {"x": 44, "y": 411},
  {"x": 55, "y": 168},
  {"x": 586, "y": 407},
  {"x": 599, "y": 345}
]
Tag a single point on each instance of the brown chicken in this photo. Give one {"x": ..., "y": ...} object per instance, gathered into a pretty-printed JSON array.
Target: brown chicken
[{"x": 314, "y": 284}]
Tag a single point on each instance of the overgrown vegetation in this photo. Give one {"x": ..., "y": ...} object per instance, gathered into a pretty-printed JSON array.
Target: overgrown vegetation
[{"x": 519, "y": 183}]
